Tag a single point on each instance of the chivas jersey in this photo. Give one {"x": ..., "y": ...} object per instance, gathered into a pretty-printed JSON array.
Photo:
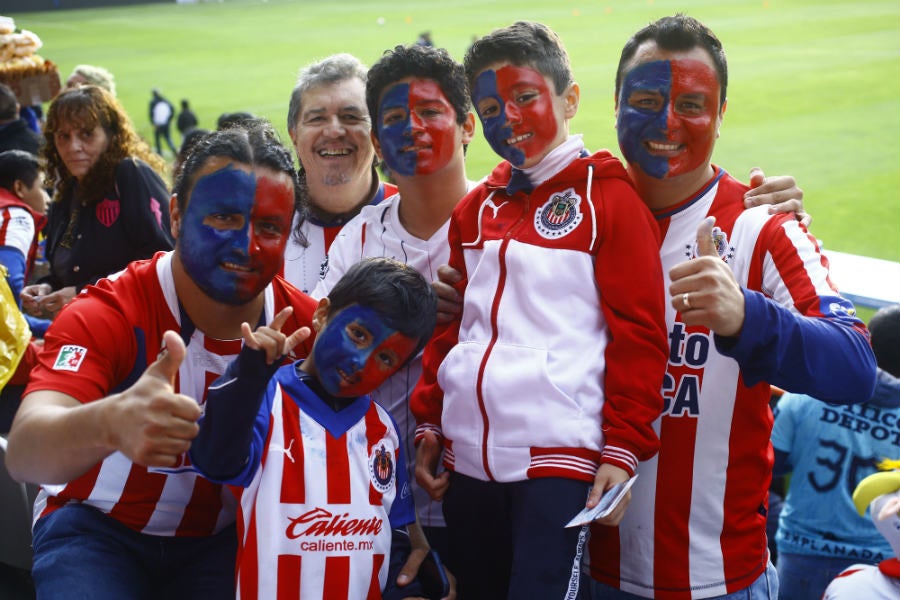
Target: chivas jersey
[
  {"x": 323, "y": 491},
  {"x": 696, "y": 525},
  {"x": 19, "y": 226},
  {"x": 305, "y": 265},
  {"x": 101, "y": 344},
  {"x": 377, "y": 231}
]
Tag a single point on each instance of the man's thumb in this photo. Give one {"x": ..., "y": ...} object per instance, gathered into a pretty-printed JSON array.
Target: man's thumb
[
  {"x": 757, "y": 177},
  {"x": 705, "y": 244},
  {"x": 166, "y": 366}
]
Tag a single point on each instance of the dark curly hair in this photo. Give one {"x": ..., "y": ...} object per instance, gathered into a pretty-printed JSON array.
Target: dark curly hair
[
  {"x": 677, "y": 33},
  {"x": 85, "y": 108},
  {"x": 253, "y": 142},
  {"x": 426, "y": 63},
  {"x": 524, "y": 44}
]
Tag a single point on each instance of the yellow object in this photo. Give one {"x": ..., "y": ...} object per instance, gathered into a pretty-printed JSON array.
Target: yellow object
[
  {"x": 873, "y": 486},
  {"x": 15, "y": 333}
]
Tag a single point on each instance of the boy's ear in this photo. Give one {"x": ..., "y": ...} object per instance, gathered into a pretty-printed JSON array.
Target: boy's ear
[
  {"x": 468, "y": 128},
  {"x": 320, "y": 315},
  {"x": 572, "y": 95},
  {"x": 376, "y": 145},
  {"x": 19, "y": 188}
]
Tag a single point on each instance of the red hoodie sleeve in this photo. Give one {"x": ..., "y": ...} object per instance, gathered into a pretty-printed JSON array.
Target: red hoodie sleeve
[{"x": 630, "y": 279}]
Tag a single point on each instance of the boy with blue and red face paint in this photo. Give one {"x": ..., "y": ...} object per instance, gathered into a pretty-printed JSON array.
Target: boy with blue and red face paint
[
  {"x": 750, "y": 305},
  {"x": 549, "y": 382},
  {"x": 419, "y": 100},
  {"x": 111, "y": 408},
  {"x": 316, "y": 457}
]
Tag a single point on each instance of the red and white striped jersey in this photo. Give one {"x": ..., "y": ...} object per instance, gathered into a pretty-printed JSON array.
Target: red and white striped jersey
[
  {"x": 305, "y": 265},
  {"x": 696, "y": 524},
  {"x": 19, "y": 226},
  {"x": 101, "y": 344},
  {"x": 317, "y": 512},
  {"x": 16, "y": 228},
  {"x": 377, "y": 231}
]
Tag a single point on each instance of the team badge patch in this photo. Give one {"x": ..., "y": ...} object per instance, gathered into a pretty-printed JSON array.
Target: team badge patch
[
  {"x": 381, "y": 466},
  {"x": 108, "y": 211},
  {"x": 559, "y": 216},
  {"x": 69, "y": 358},
  {"x": 720, "y": 239}
]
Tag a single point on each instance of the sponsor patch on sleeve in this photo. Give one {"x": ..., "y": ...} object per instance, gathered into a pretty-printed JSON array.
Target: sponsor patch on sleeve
[{"x": 69, "y": 358}]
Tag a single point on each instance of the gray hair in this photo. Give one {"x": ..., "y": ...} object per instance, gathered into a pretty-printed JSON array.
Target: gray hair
[
  {"x": 96, "y": 76},
  {"x": 333, "y": 69}
]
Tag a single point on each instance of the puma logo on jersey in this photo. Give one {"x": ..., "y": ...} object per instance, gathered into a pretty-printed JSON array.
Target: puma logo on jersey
[{"x": 286, "y": 451}]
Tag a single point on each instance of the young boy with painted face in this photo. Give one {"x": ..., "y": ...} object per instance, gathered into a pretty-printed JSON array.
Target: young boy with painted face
[
  {"x": 550, "y": 380},
  {"x": 419, "y": 100},
  {"x": 750, "y": 305},
  {"x": 320, "y": 462}
]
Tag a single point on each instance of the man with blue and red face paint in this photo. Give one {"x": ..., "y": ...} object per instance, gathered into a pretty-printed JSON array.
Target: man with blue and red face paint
[
  {"x": 110, "y": 411},
  {"x": 751, "y": 306}
]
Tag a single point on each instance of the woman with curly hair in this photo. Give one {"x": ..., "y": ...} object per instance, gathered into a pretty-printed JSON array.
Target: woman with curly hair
[{"x": 111, "y": 204}]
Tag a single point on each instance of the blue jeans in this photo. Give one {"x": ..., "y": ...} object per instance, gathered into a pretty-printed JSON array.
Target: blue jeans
[
  {"x": 805, "y": 576},
  {"x": 764, "y": 588},
  {"x": 79, "y": 552}
]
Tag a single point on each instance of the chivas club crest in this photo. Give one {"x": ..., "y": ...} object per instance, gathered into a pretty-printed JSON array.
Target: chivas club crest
[
  {"x": 559, "y": 216},
  {"x": 108, "y": 211},
  {"x": 720, "y": 239},
  {"x": 381, "y": 466}
]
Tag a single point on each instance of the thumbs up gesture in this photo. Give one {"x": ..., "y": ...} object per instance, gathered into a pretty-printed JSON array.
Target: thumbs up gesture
[
  {"x": 149, "y": 422},
  {"x": 704, "y": 289}
]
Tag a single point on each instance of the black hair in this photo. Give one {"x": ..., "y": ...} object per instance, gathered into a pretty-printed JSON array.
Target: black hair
[
  {"x": 253, "y": 143},
  {"x": 190, "y": 139},
  {"x": 884, "y": 327},
  {"x": 228, "y": 120},
  {"x": 424, "y": 62},
  {"x": 397, "y": 292},
  {"x": 9, "y": 105},
  {"x": 18, "y": 165},
  {"x": 678, "y": 33},
  {"x": 524, "y": 44}
]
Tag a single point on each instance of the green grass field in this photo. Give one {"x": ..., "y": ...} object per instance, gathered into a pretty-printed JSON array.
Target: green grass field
[{"x": 814, "y": 92}]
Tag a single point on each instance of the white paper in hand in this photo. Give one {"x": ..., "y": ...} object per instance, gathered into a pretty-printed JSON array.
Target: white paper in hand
[{"x": 608, "y": 501}]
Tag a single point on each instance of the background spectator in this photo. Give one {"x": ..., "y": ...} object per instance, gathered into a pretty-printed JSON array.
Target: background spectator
[
  {"x": 111, "y": 204},
  {"x": 14, "y": 132},
  {"x": 187, "y": 120},
  {"x": 92, "y": 75},
  {"x": 161, "y": 114},
  {"x": 830, "y": 449}
]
